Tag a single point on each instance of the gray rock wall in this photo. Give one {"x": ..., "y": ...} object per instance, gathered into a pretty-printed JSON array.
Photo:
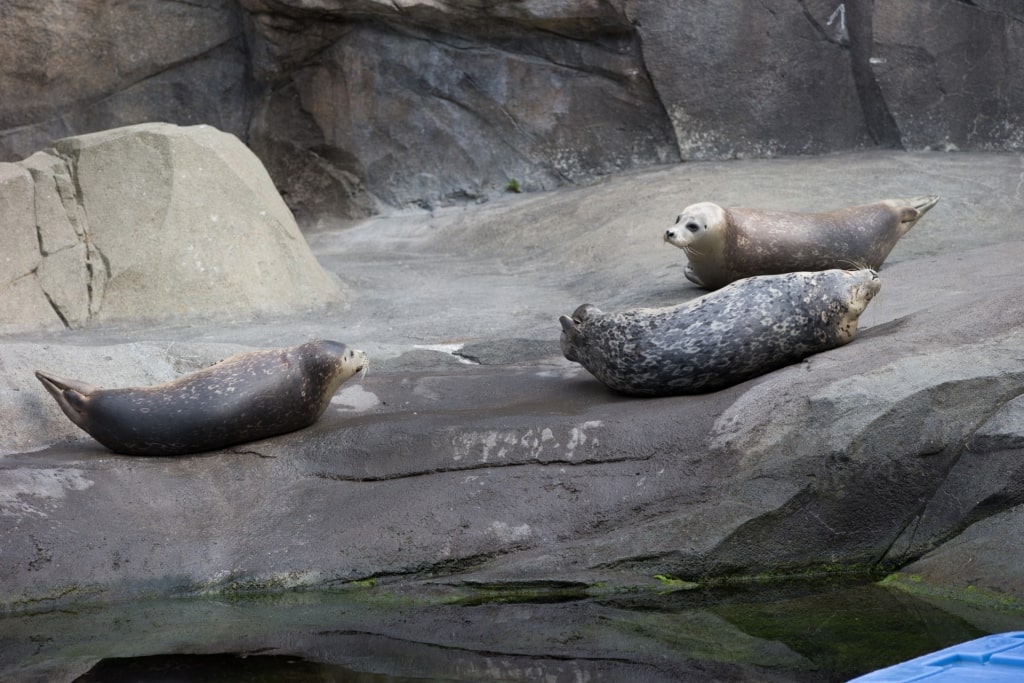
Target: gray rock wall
[
  {"x": 410, "y": 102},
  {"x": 85, "y": 65}
]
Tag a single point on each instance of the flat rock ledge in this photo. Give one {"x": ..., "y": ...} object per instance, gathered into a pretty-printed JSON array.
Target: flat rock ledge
[{"x": 472, "y": 454}]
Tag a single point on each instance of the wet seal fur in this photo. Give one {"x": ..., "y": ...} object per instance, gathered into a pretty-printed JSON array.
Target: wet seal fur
[
  {"x": 746, "y": 329},
  {"x": 724, "y": 245},
  {"x": 246, "y": 397}
]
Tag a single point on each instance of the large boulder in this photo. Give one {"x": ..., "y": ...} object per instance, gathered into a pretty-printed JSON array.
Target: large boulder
[{"x": 149, "y": 222}]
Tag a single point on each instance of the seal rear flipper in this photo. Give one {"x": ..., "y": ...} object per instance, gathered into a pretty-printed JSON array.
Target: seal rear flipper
[
  {"x": 70, "y": 395},
  {"x": 916, "y": 207}
]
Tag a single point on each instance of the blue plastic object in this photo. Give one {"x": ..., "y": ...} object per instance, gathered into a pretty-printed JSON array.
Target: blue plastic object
[{"x": 994, "y": 659}]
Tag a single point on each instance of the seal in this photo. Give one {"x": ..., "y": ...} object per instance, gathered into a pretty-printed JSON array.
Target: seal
[
  {"x": 748, "y": 328},
  {"x": 246, "y": 397},
  {"x": 724, "y": 245}
]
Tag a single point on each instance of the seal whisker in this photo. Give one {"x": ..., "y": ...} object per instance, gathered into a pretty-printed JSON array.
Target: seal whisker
[{"x": 855, "y": 264}]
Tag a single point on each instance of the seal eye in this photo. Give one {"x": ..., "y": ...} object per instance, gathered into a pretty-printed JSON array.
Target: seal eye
[
  {"x": 678, "y": 218},
  {"x": 692, "y": 227}
]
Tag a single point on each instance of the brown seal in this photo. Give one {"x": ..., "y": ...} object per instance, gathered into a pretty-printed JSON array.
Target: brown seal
[
  {"x": 724, "y": 245},
  {"x": 246, "y": 397}
]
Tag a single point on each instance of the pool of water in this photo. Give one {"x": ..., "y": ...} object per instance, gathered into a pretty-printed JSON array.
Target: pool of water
[{"x": 798, "y": 631}]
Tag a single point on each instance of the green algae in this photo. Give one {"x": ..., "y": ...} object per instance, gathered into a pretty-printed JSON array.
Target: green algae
[
  {"x": 974, "y": 596},
  {"x": 839, "y": 627}
]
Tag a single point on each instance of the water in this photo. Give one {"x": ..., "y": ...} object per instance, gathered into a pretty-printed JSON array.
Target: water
[{"x": 783, "y": 632}]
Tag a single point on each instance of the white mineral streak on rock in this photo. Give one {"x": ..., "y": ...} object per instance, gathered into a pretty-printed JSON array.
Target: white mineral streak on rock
[
  {"x": 33, "y": 492},
  {"x": 531, "y": 444}
]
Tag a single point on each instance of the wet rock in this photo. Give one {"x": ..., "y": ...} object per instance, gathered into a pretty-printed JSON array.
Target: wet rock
[{"x": 981, "y": 561}]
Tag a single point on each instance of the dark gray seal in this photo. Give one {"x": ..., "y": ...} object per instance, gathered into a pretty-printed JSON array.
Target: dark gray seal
[
  {"x": 724, "y": 245},
  {"x": 246, "y": 397},
  {"x": 743, "y": 330}
]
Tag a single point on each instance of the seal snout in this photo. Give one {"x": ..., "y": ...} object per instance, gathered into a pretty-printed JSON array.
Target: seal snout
[{"x": 358, "y": 358}]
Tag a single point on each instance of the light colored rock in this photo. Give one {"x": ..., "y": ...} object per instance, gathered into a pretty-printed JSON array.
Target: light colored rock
[
  {"x": 17, "y": 207},
  {"x": 152, "y": 222},
  {"x": 59, "y": 217},
  {"x": 23, "y": 302}
]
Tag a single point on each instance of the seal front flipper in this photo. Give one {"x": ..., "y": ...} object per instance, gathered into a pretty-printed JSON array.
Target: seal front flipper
[
  {"x": 693, "y": 277},
  {"x": 72, "y": 396}
]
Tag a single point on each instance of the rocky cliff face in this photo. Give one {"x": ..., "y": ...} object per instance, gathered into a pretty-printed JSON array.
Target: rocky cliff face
[{"x": 425, "y": 103}]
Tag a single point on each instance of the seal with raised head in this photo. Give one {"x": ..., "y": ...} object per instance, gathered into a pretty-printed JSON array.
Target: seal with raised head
[
  {"x": 724, "y": 245},
  {"x": 246, "y": 397},
  {"x": 746, "y": 329}
]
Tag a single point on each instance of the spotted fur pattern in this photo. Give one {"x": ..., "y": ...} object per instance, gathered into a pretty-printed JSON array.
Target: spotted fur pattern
[
  {"x": 743, "y": 330},
  {"x": 246, "y": 397}
]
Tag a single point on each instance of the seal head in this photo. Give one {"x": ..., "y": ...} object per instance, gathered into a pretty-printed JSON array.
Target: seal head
[
  {"x": 746, "y": 329},
  {"x": 246, "y": 397}
]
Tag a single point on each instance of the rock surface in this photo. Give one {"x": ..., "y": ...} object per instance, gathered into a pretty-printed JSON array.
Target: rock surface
[
  {"x": 83, "y": 66},
  {"x": 416, "y": 103},
  {"x": 149, "y": 222},
  {"x": 904, "y": 444}
]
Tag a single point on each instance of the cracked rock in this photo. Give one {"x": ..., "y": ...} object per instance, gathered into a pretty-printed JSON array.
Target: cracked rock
[{"x": 150, "y": 222}]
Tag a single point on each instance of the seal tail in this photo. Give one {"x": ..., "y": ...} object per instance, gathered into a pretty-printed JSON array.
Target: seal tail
[
  {"x": 70, "y": 395},
  {"x": 914, "y": 209}
]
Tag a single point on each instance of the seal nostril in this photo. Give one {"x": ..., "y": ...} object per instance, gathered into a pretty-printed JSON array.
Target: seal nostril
[{"x": 670, "y": 233}]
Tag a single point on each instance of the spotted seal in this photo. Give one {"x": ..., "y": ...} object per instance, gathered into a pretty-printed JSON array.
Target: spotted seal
[
  {"x": 246, "y": 397},
  {"x": 723, "y": 245},
  {"x": 743, "y": 330}
]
